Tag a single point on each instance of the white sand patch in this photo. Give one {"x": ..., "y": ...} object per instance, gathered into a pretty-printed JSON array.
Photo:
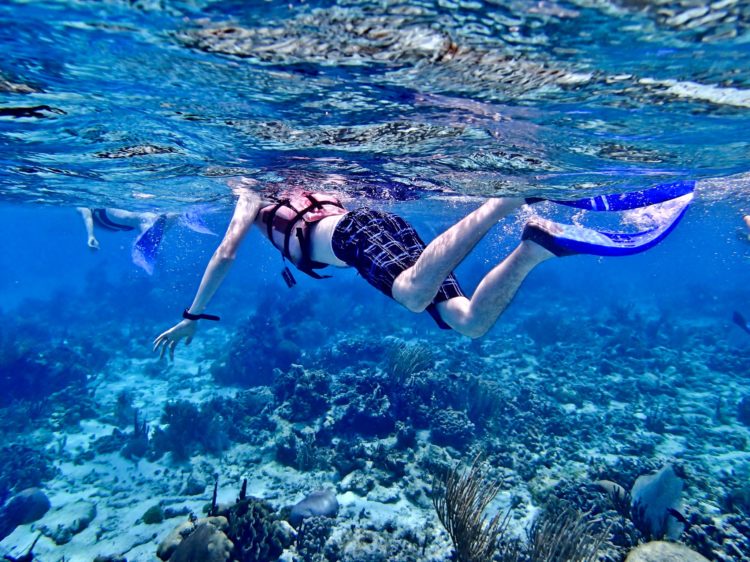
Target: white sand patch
[
  {"x": 730, "y": 462},
  {"x": 672, "y": 446},
  {"x": 403, "y": 511}
]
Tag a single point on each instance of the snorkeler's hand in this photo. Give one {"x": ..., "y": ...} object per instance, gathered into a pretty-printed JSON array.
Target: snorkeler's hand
[
  {"x": 246, "y": 190},
  {"x": 93, "y": 243},
  {"x": 170, "y": 338}
]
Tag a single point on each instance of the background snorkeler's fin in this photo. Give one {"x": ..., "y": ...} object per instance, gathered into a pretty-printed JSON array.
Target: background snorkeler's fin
[
  {"x": 146, "y": 247},
  {"x": 568, "y": 239},
  {"x": 627, "y": 201},
  {"x": 738, "y": 319},
  {"x": 194, "y": 221}
]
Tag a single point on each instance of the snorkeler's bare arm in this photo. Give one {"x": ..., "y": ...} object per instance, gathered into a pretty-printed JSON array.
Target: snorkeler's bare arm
[
  {"x": 245, "y": 212},
  {"x": 88, "y": 221}
]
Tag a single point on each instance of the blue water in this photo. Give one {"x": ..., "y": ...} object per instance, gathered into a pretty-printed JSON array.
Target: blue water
[{"x": 605, "y": 368}]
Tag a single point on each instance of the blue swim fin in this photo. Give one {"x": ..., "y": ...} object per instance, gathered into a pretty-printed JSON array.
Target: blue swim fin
[
  {"x": 194, "y": 221},
  {"x": 146, "y": 247},
  {"x": 568, "y": 239},
  {"x": 627, "y": 201}
]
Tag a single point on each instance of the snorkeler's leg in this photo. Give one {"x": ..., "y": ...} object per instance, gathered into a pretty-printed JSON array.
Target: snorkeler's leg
[
  {"x": 475, "y": 316},
  {"x": 128, "y": 218},
  {"x": 415, "y": 287}
]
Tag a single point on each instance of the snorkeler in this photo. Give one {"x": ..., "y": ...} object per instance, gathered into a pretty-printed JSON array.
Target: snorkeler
[
  {"x": 150, "y": 227},
  {"x": 314, "y": 230}
]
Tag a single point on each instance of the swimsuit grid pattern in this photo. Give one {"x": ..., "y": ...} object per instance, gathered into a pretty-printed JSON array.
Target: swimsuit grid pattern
[{"x": 380, "y": 246}]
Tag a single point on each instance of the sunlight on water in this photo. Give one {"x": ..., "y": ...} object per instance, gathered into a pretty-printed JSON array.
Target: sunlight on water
[{"x": 133, "y": 100}]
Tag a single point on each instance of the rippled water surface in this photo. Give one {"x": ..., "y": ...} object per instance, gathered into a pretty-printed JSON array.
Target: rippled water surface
[{"x": 122, "y": 101}]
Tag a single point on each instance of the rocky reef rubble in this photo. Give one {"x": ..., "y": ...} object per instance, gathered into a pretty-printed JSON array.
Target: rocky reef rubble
[{"x": 374, "y": 421}]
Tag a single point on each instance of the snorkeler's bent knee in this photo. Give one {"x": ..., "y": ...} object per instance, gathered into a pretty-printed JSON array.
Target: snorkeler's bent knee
[
  {"x": 416, "y": 287},
  {"x": 474, "y": 317},
  {"x": 407, "y": 292}
]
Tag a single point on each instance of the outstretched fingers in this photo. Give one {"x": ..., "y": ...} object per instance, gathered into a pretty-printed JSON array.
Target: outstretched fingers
[
  {"x": 168, "y": 340},
  {"x": 164, "y": 342},
  {"x": 159, "y": 341}
]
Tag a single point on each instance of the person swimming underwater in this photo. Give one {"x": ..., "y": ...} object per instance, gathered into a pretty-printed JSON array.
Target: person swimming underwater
[
  {"x": 150, "y": 227},
  {"x": 315, "y": 230}
]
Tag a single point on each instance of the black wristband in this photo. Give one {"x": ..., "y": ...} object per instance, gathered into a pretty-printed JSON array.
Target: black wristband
[{"x": 187, "y": 316}]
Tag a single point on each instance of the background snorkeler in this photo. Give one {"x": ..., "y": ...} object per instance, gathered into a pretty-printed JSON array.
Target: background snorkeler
[{"x": 150, "y": 226}]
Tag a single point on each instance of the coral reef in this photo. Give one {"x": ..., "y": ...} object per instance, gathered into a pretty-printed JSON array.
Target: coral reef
[
  {"x": 255, "y": 531},
  {"x": 563, "y": 535},
  {"x": 460, "y": 499},
  {"x": 452, "y": 428},
  {"x": 312, "y": 536},
  {"x": 303, "y": 394},
  {"x": 25, "y": 466},
  {"x": 267, "y": 340},
  {"x": 33, "y": 365},
  {"x": 614, "y": 394},
  {"x": 206, "y": 543},
  {"x": 189, "y": 428},
  {"x": 246, "y": 531}
]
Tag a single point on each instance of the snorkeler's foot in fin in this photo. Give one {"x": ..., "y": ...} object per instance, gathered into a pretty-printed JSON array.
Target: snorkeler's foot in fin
[
  {"x": 738, "y": 319},
  {"x": 562, "y": 239},
  {"x": 146, "y": 247},
  {"x": 568, "y": 240},
  {"x": 194, "y": 221},
  {"x": 627, "y": 201}
]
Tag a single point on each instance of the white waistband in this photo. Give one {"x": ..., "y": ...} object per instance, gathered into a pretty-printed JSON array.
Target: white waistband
[{"x": 321, "y": 237}]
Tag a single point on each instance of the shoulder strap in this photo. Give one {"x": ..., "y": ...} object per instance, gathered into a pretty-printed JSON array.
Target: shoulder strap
[
  {"x": 306, "y": 265},
  {"x": 316, "y": 203},
  {"x": 271, "y": 215},
  {"x": 290, "y": 228},
  {"x": 304, "y": 243}
]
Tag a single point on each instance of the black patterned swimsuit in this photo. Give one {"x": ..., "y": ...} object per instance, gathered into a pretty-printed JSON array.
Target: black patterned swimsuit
[
  {"x": 101, "y": 218},
  {"x": 380, "y": 246}
]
